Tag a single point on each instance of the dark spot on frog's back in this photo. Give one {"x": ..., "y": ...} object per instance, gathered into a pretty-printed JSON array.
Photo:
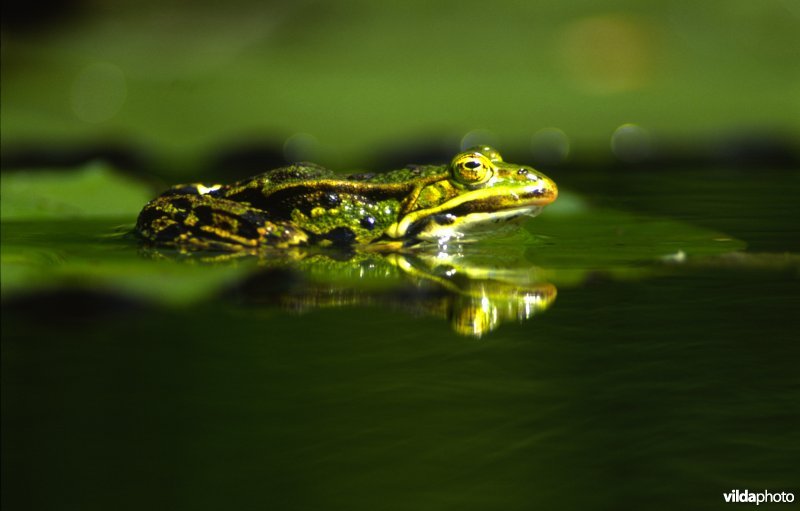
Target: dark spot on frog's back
[
  {"x": 244, "y": 224},
  {"x": 147, "y": 216},
  {"x": 183, "y": 203},
  {"x": 340, "y": 236},
  {"x": 368, "y": 222},
  {"x": 253, "y": 219},
  {"x": 160, "y": 208},
  {"x": 330, "y": 200},
  {"x": 250, "y": 195},
  {"x": 169, "y": 233},
  {"x": 280, "y": 204}
]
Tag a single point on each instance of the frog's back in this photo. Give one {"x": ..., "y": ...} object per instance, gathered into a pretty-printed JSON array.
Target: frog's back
[
  {"x": 411, "y": 174},
  {"x": 294, "y": 173},
  {"x": 305, "y": 186}
]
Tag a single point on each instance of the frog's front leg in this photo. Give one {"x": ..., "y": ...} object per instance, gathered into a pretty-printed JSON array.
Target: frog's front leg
[{"x": 203, "y": 222}]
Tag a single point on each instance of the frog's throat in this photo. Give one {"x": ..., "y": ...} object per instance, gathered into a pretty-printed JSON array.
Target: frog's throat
[{"x": 481, "y": 203}]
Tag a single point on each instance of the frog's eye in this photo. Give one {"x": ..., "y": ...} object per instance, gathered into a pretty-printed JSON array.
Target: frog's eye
[{"x": 472, "y": 168}]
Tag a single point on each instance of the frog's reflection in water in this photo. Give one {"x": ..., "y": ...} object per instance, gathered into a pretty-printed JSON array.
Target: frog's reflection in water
[{"x": 476, "y": 297}]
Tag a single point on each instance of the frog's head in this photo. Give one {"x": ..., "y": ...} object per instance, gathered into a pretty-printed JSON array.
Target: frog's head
[{"x": 480, "y": 190}]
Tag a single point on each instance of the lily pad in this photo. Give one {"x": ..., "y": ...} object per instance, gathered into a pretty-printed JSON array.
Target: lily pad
[
  {"x": 72, "y": 230},
  {"x": 94, "y": 191}
]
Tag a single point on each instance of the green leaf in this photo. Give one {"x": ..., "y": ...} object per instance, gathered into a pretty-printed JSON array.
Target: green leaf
[{"x": 94, "y": 191}]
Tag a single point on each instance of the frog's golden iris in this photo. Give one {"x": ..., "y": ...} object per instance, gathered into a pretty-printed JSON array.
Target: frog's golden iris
[
  {"x": 472, "y": 169},
  {"x": 307, "y": 204}
]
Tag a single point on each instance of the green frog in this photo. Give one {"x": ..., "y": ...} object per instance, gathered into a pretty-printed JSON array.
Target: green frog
[{"x": 306, "y": 204}]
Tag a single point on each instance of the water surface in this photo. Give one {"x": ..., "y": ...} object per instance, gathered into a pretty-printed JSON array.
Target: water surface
[{"x": 649, "y": 383}]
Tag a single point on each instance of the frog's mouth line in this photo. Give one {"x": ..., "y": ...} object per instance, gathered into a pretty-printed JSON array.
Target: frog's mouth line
[{"x": 466, "y": 211}]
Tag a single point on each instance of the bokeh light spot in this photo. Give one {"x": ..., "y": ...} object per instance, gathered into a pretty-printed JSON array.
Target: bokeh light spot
[
  {"x": 631, "y": 143},
  {"x": 478, "y": 137}
]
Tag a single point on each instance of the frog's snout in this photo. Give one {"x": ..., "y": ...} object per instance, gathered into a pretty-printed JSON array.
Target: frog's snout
[
  {"x": 543, "y": 190},
  {"x": 551, "y": 188}
]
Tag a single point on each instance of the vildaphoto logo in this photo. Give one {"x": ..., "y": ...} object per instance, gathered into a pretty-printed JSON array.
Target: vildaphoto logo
[{"x": 762, "y": 497}]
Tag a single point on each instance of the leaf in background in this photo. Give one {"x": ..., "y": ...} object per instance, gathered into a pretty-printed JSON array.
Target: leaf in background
[{"x": 93, "y": 191}]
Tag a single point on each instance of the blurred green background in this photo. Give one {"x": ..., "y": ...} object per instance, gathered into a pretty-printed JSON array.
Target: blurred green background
[
  {"x": 662, "y": 376},
  {"x": 182, "y": 89}
]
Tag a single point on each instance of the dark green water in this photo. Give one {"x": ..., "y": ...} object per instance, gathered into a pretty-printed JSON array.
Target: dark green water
[
  {"x": 662, "y": 375},
  {"x": 657, "y": 392}
]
